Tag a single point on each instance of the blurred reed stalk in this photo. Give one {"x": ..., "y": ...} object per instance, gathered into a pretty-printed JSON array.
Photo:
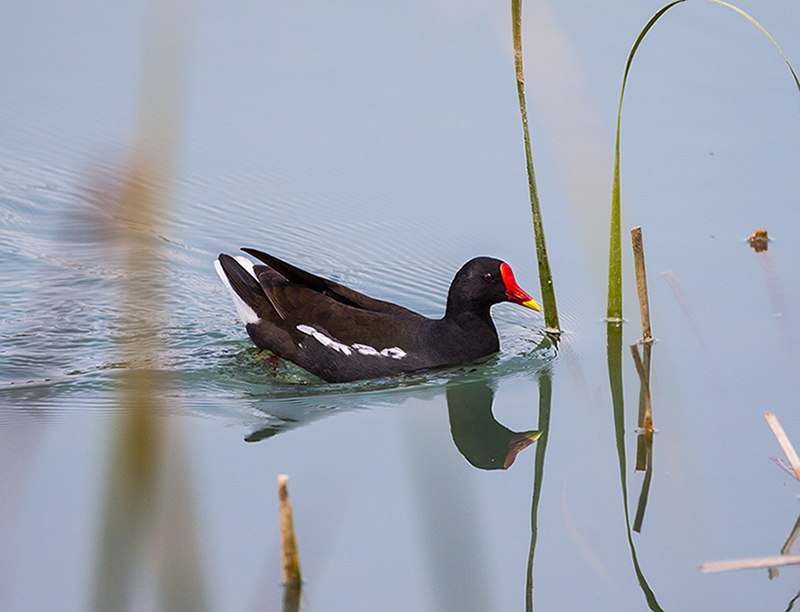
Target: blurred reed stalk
[
  {"x": 290, "y": 560},
  {"x": 545, "y": 277},
  {"x": 148, "y": 516}
]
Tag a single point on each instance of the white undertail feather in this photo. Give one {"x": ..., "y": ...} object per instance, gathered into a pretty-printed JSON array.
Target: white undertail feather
[
  {"x": 246, "y": 264},
  {"x": 247, "y": 314}
]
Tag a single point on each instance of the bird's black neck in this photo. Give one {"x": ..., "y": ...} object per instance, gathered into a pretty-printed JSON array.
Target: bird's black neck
[{"x": 470, "y": 332}]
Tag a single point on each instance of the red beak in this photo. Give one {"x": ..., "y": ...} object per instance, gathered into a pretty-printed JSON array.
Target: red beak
[
  {"x": 513, "y": 290},
  {"x": 519, "y": 441}
]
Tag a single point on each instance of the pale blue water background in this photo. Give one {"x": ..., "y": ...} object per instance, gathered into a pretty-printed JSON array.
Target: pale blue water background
[{"x": 381, "y": 145}]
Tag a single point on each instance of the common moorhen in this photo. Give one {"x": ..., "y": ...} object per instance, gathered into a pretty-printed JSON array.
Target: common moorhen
[{"x": 342, "y": 335}]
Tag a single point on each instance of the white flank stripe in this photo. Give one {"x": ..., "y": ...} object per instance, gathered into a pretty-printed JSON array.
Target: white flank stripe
[
  {"x": 363, "y": 349},
  {"x": 324, "y": 340}
]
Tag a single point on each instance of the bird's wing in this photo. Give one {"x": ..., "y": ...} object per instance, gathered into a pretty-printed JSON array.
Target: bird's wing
[{"x": 324, "y": 286}]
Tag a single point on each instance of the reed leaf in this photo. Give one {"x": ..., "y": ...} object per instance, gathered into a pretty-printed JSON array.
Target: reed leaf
[{"x": 614, "y": 311}]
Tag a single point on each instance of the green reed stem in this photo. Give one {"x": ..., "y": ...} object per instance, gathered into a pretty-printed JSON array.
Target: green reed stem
[{"x": 545, "y": 277}]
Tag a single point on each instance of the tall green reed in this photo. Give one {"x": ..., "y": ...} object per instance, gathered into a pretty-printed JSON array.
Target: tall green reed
[{"x": 545, "y": 276}]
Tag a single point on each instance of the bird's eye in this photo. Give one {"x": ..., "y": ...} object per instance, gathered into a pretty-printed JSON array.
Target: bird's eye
[{"x": 488, "y": 277}]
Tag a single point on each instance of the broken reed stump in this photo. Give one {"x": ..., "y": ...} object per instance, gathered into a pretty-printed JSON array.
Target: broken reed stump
[
  {"x": 641, "y": 282},
  {"x": 290, "y": 559}
]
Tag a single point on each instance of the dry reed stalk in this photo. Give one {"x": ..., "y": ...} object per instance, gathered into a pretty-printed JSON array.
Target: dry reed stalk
[
  {"x": 726, "y": 566},
  {"x": 783, "y": 440},
  {"x": 641, "y": 282},
  {"x": 290, "y": 559}
]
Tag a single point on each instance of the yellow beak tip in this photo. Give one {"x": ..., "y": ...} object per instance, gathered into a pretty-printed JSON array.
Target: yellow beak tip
[{"x": 532, "y": 305}]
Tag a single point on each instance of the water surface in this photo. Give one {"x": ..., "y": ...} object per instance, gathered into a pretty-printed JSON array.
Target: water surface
[{"x": 381, "y": 146}]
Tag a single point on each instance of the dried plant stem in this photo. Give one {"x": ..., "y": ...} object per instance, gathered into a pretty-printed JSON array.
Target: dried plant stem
[
  {"x": 783, "y": 440},
  {"x": 726, "y": 566},
  {"x": 290, "y": 559},
  {"x": 641, "y": 282}
]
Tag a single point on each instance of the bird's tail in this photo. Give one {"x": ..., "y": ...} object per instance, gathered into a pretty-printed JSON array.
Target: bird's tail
[{"x": 238, "y": 276}]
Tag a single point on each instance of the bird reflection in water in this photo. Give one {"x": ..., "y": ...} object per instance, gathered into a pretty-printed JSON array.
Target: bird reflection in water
[{"x": 485, "y": 443}]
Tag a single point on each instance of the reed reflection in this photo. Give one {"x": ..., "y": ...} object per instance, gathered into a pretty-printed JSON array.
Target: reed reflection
[{"x": 545, "y": 403}]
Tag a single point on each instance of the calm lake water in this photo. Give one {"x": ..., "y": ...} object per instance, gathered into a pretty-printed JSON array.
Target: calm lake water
[{"x": 380, "y": 145}]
